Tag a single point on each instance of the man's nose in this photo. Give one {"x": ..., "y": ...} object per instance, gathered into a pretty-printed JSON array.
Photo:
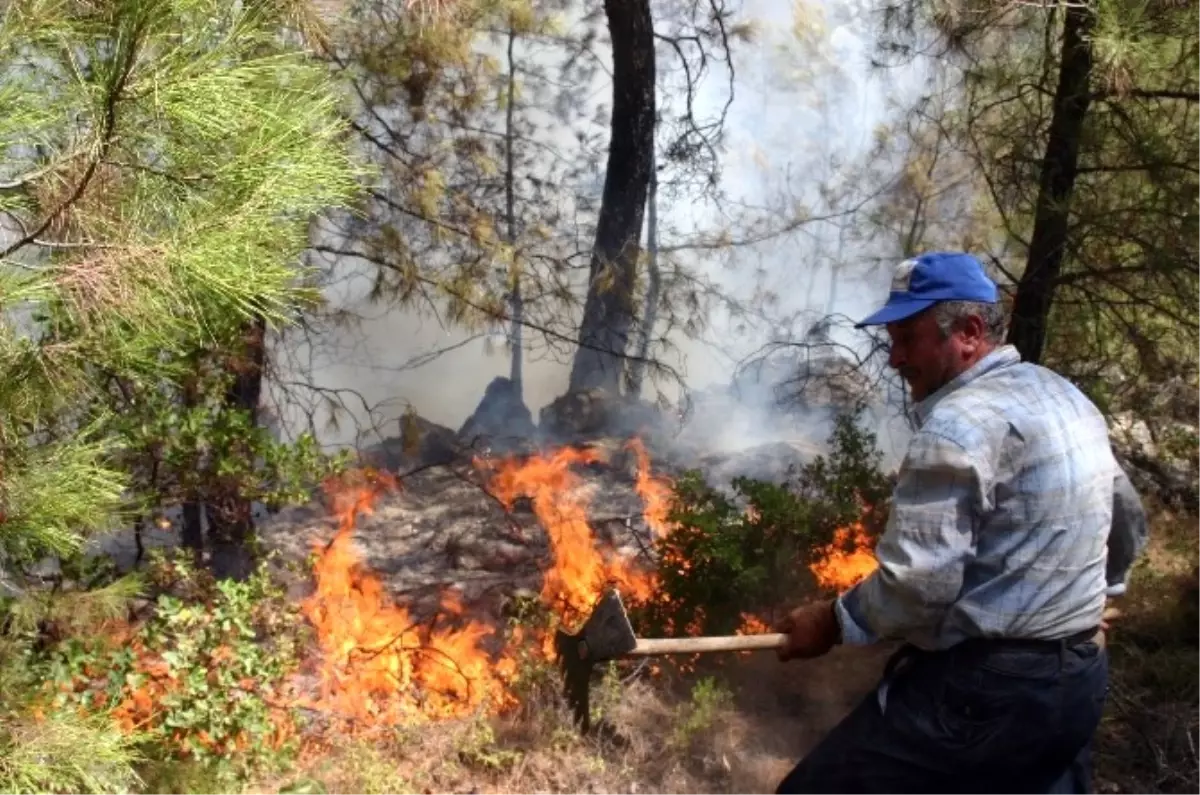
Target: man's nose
[{"x": 896, "y": 357}]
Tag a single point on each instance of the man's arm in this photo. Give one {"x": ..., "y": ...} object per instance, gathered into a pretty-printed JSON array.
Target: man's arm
[
  {"x": 1128, "y": 534},
  {"x": 923, "y": 552}
]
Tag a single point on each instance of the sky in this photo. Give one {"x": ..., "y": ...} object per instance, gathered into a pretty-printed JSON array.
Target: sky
[{"x": 803, "y": 93}]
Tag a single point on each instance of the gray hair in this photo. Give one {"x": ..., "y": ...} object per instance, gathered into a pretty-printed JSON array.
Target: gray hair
[{"x": 949, "y": 313}]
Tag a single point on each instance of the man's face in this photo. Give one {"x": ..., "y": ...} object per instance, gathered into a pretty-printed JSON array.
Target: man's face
[{"x": 926, "y": 359}]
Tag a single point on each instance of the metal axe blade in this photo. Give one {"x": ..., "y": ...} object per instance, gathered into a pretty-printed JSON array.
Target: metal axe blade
[{"x": 608, "y": 635}]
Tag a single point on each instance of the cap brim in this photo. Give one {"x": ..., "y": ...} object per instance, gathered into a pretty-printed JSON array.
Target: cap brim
[{"x": 896, "y": 310}]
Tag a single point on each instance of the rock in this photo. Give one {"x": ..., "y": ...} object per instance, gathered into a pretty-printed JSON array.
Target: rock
[
  {"x": 443, "y": 530},
  {"x": 1176, "y": 398},
  {"x": 577, "y": 414},
  {"x": 771, "y": 462},
  {"x": 828, "y": 382},
  {"x": 811, "y": 378},
  {"x": 9, "y": 585},
  {"x": 1133, "y": 434}
]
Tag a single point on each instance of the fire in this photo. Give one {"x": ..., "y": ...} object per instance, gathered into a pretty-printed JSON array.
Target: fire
[
  {"x": 378, "y": 664},
  {"x": 578, "y": 571},
  {"x": 752, "y": 625},
  {"x": 845, "y": 562},
  {"x": 656, "y": 492}
]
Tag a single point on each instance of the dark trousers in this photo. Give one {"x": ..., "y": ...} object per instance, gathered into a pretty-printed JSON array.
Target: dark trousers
[{"x": 985, "y": 716}]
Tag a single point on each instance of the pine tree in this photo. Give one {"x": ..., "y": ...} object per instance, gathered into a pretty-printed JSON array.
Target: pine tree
[
  {"x": 159, "y": 163},
  {"x": 1072, "y": 131}
]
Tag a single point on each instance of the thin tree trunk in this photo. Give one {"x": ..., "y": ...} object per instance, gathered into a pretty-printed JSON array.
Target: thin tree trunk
[
  {"x": 1047, "y": 245},
  {"x": 517, "y": 304},
  {"x": 609, "y": 309},
  {"x": 230, "y": 519},
  {"x": 192, "y": 530},
  {"x": 637, "y": 367}
]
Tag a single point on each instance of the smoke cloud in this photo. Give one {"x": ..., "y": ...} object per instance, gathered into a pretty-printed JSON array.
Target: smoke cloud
[{"x": 805, "y": 101}]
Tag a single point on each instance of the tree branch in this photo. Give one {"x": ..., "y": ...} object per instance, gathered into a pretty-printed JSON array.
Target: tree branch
[{"x": 107, "y": 136}]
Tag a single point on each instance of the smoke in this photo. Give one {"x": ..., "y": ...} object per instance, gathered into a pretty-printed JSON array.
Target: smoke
[{"x": 805, "y": 103}]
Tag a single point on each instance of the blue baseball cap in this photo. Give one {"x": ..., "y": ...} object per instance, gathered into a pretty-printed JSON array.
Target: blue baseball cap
[{"x": 927, "y": 279}]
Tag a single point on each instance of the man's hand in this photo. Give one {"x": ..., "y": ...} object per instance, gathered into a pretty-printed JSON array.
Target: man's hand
[
  {"x": 1111, "y": 613},
  {"x": 812, "y": 630}
]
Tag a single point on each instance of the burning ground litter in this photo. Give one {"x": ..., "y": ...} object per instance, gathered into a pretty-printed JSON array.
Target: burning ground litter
[
  {"x": 379, "y": 664},
  {"x": 381, "y": 658}
]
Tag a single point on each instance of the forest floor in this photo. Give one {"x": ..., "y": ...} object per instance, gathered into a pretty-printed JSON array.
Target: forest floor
[{"x": 739, "y": 724}]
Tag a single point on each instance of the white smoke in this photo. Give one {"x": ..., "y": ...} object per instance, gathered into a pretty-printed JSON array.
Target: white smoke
[{"x": 786, "y": 132}]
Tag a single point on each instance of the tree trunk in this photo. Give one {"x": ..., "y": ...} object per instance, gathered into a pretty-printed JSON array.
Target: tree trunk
[
  {"x": 608, "y": 311},
  {"x": 1047, "y": 246},
  {"x": 230, "y": 520},
  {"x": 192, "y": 530},
  {"x": 637, "y": 367},
  {"x": 516, "y": 303}
]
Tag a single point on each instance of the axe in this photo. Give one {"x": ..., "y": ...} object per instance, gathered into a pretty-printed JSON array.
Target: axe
[{"x": 608, "y": 635}]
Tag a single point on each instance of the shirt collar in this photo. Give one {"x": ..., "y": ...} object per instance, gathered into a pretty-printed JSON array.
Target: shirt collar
[{"x": 1003, "y": 356}]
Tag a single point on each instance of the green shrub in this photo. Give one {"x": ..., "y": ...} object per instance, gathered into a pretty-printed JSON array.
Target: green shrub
[
  {"x": 732, "y": 554},
  {"x": 203, "y": 679}
]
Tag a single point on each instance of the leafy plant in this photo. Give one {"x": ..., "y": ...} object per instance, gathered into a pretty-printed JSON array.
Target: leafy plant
[
  {"x": 709, "y": 697},
  {"x": 203, "y": 679},
  {"x": 207, "y": 450},
  {"x": 732, "y": 554}
]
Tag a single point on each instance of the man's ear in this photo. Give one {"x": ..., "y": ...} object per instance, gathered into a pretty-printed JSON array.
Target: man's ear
[{"x": 973, "y": 329}]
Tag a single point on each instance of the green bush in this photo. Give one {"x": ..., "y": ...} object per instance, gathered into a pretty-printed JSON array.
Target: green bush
[
  {"x": 204, "y": 679},
  {"x": 747, "y": 552}
]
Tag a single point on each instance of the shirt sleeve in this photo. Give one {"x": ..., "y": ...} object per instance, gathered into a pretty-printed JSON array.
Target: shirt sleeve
[
  {"x": 923, "y": 552},
  {"x": 1128, "y": 535}
]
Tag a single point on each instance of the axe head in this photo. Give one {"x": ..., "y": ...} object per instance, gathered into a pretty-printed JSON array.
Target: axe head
[{"x": 606, "y": 635}]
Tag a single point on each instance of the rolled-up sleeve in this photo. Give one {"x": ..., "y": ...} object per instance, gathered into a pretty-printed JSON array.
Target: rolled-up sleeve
[
  {"x": 923, "y": 552},
  {"x": 1128, "y": 535}
]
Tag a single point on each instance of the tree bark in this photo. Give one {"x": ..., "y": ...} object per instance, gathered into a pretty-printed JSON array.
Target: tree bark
[
  {"x": 230, "y": 520},
  {"x": 609, "y": 309},
  {"x": 637, "y": 367},
  {"x": 192, "y": 529},
  {"x": 516, "y": 302},
  {"x": 1060, "y": 166}
]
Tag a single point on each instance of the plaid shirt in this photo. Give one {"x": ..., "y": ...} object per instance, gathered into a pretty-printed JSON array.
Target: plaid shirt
[{"x": 1010, "y": 517}]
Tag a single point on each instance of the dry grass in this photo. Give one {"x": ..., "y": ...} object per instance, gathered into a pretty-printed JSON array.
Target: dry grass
[
  {"x": 737, "y": 726},
  {"x": 1148, "y": 741}
]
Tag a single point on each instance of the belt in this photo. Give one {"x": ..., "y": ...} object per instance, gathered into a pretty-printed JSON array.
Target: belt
[
  {"x": 1092, "y": 634},
  {"x": 908, "y": 653}
]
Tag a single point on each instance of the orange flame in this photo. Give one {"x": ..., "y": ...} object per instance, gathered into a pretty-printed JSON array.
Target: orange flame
[
  {"x": 578, "y": 572},
  {"x": 378, "y": 664},
  {"x": 845, "y": 562},
  {"x": 656, "y": 492},
  {"x": 752, "y": 625}
]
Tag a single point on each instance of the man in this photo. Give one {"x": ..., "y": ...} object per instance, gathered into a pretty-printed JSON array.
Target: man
[{"x": 1011, "y": 523}]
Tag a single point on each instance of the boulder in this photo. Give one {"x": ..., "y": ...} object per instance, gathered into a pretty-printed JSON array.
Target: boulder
[
  {"x": 1130, "y": 433},
  {"x": 826, "y": 382}
]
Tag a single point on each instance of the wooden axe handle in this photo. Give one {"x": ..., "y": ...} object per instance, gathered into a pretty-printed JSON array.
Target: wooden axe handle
[{"x": 650, "y": 647}]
